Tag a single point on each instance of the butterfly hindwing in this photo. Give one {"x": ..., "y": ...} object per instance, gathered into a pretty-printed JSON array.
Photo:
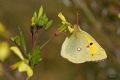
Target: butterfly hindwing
[{"x": 73, "y": 48}]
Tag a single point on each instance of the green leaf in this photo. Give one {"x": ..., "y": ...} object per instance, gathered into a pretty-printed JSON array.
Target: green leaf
[
  {"x": 22, "y": 42},
  {"x": 40, "y": 12},
  {"x": 17, "y": 51},
  {"x": 33, "y": 29},
  {"x": 62, "y": 28},
  {"x": 16, "y": 40},
  {"x": 45, "y": 19},
  {"x": 61, "y": 16},
  {"x": 35, "y": 14},
  {"x": 41, "y": 22},
  {"x": 35, "y": 57},
  {"x": 34, "y": 19},
  {"x": 48, "y": 25},
  {"x": 44, "y": 16}
]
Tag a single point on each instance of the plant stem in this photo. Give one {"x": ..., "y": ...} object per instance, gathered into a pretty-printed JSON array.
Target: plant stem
[
  {"x": 37, "y": 36},
  {"x": 32, "y": 39},
  {"x": 47, "y": 42},
  {"x": 54, "y": 35}
]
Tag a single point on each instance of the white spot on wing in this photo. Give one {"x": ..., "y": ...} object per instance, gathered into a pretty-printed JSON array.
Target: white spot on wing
[{"x": 78, "y": 49}]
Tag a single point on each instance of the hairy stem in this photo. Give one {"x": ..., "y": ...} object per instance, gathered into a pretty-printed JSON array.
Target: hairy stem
[
  {"x": 54, "y": 35},
  {"x": 47, "y": 42}
]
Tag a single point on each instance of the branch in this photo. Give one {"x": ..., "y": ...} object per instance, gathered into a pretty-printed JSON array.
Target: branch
[
  {"x": 54, "y": 35},
  {"x": 47, "y": 42}
]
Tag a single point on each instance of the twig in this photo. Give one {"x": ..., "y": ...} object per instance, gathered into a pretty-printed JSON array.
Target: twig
[
  {"x": 32, "y": 39},
  {"x": 54, "y": 35},
  {"x": 47, "y": 42},
  {"x": 37, "y": 36}
]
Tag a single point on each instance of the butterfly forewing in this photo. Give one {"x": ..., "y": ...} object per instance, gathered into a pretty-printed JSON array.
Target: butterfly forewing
[{"x": 98, "y": 53}]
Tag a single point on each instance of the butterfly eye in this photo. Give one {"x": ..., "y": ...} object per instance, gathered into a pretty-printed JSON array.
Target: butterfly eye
[{"x": 91, "y": 43}]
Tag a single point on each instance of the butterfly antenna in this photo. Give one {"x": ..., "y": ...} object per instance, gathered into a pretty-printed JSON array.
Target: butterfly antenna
[{"x": 77, "y": 19}]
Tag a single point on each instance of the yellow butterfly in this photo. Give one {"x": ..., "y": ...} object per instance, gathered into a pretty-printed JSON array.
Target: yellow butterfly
[{"x": 81, "y": 47}]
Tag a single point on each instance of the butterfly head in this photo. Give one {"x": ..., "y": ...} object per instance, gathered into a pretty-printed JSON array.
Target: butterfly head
[{"x": 76, "y": 27}]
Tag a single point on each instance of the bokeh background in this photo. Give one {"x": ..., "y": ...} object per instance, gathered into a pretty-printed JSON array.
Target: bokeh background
[{"x": 100, "y": 18}]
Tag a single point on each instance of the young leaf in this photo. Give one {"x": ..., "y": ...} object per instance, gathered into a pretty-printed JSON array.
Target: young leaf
[
  {"x": 40, "y": 22},
  {"x": 60, "y": 15},
  {"x": 17, "y": 51},
  {"x": 16, "y": 40},
  {"x": 45, "y": 19},
  {"x": 35, "y": 58},
  {"x": 65, "y": 26},
  {"x": 62, "y": 28},
  {"x": 48, "y": 25},
  {"x": 34, "y": 19},
  {"x": 23, "y": 43},
  {"x": 23, "y": 67},
  {"x": 40, "y": 12}
]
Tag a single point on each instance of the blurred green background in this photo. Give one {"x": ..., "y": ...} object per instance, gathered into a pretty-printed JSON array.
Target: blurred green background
[{"x": 100, "y": 18}]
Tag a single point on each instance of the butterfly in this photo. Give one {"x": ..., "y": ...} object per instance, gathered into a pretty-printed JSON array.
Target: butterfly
[{"x": 81, "y": 47}]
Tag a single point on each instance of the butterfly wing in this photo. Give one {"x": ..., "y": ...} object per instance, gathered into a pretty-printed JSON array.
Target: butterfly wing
[
  {"x": 75, "y": 48},
  {"x": 96, "y": 52}
]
